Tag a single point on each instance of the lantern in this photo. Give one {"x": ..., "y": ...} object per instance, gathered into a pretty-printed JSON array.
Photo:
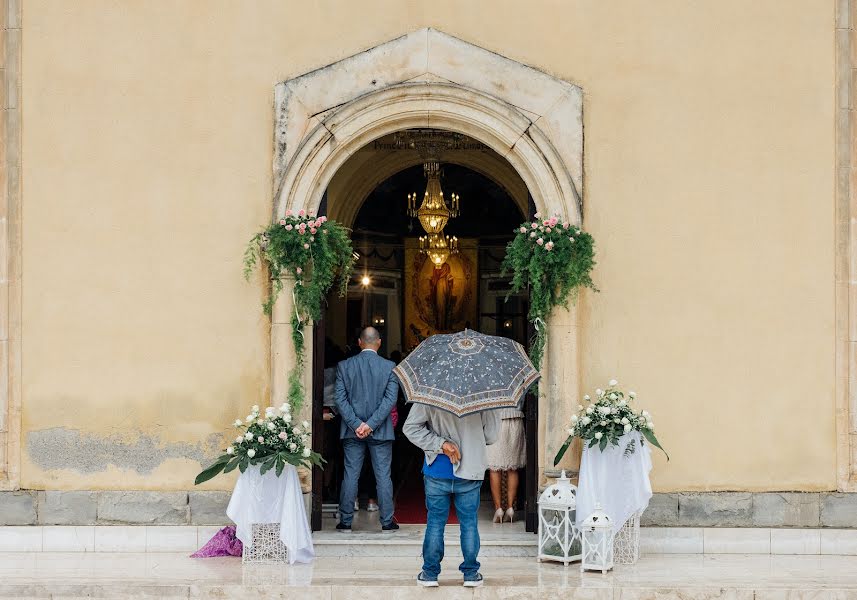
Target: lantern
[
  {"x": 598, "y": 535},
  {"x": 559, "y": 537}
]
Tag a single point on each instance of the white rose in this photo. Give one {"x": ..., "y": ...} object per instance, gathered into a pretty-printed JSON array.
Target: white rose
[
  {"x": 570, "y": 431},
  {"x": 613, "y": 396},
  {"x": 249, "y": 418},
  {"x": 627, "y": 428},
  {"x": 237, "y": 423},
  {"x": 574, "y": 418},
  {"x": 270, "y": 409},
  {"x": 586, "y": 397},
  {"x": 586, "y": 420},
  {"x": 255, "y": 408},
  {"x": 284, "y": 407},
  {"x": 293, "y": 446},
  {"x": 625, "y": 421},
  {"x": 248, "y": 436},
  {"x": 287, "y": 418},
  {"x": 599, "y": 392},
  {"x": 579, "y": 407},
  {"x": 613, "y": 382},
  {"x": 271, "y": 427},
  {"x": 260, "y": 421},
  {"x": 616, "y": 420},
  {"x": 632, "y": 394},
  {"x": 589, "y": 410},
  {"x": 622, "y": 403},
  {"x": 306, "y": 452},
  {"x": 260, "y": 439},
  {"x": 603, "y": 423},
  {"x": 650, "y": 425},
  {"x": 305, "y": 424},
  {"x": 645, "y": 413},
  {"x": 251, "y": 453},
  {"x": 239, "y": 439},
  {"x": 230, "y": 450},
  {"x": 598, "y": 435}
]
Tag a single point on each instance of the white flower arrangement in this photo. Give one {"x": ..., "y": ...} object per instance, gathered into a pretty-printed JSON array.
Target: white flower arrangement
[
  {"x": 614, "y": 418},
  {"x": 270, "y": 441}
]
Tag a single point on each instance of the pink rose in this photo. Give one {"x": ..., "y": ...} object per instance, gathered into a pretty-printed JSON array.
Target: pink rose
[
  {"x": 535, "y": 225},
  {"x": 533, "y": 234},
  {"x": 289, "y": 227},
  {"x": 282, "y": 221},
  {"x": 299, "y": 270},
  {"x": 301, "y": 213},
  {"x": 323, "y": 219},
  {"x": 289, "y": 213},
  {"x": 282, "y": 435},
  {"x": 312, "y": 230},
  {"x": 549, "y": 246},
  {"x": 565, "y": 225},
  {"x": 540, "y": 241},
  {"x": 546, "y": 222},
  {"x": 261, "y": 439},
  {"x": 306, "y": 246},
  {"x": 523, "y": 230},
  {"x": 301, "y": 231},
  {"x": 537, "y": 215},
  {"x": 547, "y": 229}
]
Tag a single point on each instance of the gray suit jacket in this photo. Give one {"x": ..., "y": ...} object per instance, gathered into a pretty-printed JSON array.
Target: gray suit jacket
[{"x": 366, "y": 391}]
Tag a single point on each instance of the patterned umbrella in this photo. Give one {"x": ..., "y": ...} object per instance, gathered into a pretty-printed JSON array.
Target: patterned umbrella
[{"x": 467, "y": 372}]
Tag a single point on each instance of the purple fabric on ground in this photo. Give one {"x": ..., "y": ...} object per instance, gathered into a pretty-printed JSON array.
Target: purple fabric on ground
[{"x": 224, "y": 543}]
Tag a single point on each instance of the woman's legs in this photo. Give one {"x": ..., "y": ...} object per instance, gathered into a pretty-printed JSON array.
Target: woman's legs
[
  {"x": 511, "y": 487},
  {"x": 495, "y": 478}
]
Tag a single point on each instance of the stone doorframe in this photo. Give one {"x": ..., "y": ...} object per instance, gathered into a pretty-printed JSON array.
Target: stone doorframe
[{"x": 430, "y": 79}]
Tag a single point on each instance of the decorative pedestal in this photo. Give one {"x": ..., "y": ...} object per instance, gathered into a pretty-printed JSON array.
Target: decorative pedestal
[
  {"x": 626, "y": 545},
  {"x": 267, "y": 547}
]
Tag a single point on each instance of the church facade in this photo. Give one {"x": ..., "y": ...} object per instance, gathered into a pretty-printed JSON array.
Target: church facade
[{"x": 710, "y": 150}]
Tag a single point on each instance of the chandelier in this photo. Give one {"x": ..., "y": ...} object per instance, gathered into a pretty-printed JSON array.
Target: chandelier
[
  {"x": 433, "y": 213},
  {"x": 438, "y": 247}
]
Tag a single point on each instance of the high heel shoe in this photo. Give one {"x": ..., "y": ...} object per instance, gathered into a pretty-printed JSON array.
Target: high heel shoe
[
  {"x": 498, "y": 515},
  {"x": 510, "y": 514}
]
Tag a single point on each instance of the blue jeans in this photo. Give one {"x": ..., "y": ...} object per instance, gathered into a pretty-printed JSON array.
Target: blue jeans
[
  {"x": 381, "y": 454},
  {"x": 439, "y": 494}
]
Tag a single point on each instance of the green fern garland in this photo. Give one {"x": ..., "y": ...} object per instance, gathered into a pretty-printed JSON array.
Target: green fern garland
[
  {"x": 553, "y": 261},
  {"x": 318, "y": 253}
]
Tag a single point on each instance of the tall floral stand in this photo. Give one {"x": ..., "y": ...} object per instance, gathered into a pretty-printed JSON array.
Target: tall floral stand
[
  {"x": 617, "y": 479},
  {"x": 270, "y": 517}
]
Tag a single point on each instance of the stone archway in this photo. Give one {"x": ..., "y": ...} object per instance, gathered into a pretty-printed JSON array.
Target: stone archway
[{"x": 427, "y": 79}]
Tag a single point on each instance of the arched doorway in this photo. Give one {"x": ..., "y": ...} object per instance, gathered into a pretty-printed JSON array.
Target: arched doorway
[
  {"x": 427, "y": 79},
  {"x": 392, "y": 290}
]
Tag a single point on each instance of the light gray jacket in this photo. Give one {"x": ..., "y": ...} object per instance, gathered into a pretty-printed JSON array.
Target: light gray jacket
[{"x": 428, "y": 428}]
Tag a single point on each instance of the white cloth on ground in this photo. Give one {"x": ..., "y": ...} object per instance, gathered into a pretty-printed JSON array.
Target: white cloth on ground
[
  {"x": 618, "y": 482},
  {"x": 260, "y": 499}
]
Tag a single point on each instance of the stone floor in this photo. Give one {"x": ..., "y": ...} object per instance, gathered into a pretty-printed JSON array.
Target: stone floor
[{"x": 680, "y": 577}]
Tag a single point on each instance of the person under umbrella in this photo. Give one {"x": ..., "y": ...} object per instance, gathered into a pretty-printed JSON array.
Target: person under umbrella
[{"x": 457, "y": 382}]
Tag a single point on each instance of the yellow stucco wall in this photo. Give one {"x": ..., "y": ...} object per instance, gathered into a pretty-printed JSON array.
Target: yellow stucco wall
[{"x": 147, "y": 134}]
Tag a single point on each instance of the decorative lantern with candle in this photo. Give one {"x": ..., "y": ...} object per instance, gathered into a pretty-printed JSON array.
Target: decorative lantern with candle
[
  {"x": 559, "y": 537},
  {"x": 598, "y": 536}
]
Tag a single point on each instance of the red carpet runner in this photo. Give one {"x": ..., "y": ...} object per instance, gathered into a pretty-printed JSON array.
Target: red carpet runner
[{"x": 411, "y": 503}]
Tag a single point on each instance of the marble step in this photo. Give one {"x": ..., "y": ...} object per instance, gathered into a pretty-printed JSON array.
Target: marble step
[{"x": 408, "y": 543}]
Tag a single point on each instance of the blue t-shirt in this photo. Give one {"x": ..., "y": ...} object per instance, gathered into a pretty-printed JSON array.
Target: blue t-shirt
[{"x": 441, "y": 468}]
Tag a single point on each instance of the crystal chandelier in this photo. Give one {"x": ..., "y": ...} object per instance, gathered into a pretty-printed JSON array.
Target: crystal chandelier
[
  {"x": 433, "y": 213},
  {"x": 438, "y": 247}
]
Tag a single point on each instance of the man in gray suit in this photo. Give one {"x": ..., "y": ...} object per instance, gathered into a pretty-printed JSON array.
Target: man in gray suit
[{"x": 365, "y": 394}]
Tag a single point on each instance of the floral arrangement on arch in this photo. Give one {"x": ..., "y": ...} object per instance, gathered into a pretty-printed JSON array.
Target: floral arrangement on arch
[
  {"x": 271, "y": 441},
  {"x": 317, "y": 252},
  {"x": 553, "y": 260},
  {"x": 607, "y": 419}
]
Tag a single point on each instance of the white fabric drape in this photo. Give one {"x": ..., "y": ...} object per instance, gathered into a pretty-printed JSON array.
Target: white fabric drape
[
  {"x": 259, "y": 499},
  {"x": 618, "y": 482}
]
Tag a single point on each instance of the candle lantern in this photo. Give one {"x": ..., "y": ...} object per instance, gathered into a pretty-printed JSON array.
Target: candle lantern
[
  {"x": 597, "y": 531},
  {"x": 559, "y": 537}
]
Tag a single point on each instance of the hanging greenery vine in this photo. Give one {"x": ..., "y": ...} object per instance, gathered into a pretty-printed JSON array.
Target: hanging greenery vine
[
  {"x": 553, "y": 260},
  {"x": 318, "y": 253}
]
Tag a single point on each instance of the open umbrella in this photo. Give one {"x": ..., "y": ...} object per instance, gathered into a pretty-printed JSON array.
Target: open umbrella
[{"x": 467, "y": 372}]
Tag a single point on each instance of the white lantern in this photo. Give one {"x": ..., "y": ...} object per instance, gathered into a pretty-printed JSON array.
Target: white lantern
[
  {"x": 598, "y": 535},
  {"x": 559, "y": 537}
]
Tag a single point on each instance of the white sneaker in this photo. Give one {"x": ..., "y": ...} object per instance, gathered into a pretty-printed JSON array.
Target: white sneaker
[
  {"x": 373, "y": 507},
  {"x": 426, "y": 582},
  {"x": 472, "y": 583},
  {"x": 356, "y": 506}
]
